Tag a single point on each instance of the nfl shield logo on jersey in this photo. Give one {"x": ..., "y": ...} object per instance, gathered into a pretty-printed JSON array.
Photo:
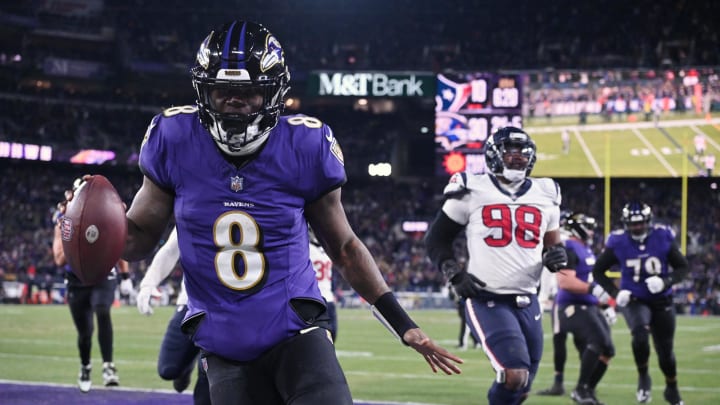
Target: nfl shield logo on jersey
[{"x": 236, "y": 183}]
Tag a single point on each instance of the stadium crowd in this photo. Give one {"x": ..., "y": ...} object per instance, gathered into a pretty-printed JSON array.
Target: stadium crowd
[
  {"x": 415, "y": 34},
  {"x": 377, "y": 210},
  {"x": 134, "y": 54}
]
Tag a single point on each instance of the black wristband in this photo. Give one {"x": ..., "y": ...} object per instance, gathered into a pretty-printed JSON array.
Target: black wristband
[
  {"x": 394, "y": 314},
  {"x": 124, "y": 276}
]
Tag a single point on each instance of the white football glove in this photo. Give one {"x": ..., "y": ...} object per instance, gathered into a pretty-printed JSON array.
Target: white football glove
[
  {"x": 610, "y": 315},
  {"x": 623, "y": 298},
  {"x": 599, "y": 293},
  {"x": 126, "y": 287},
  {"x": 144, "y": 296},
  {"x": 655, "y": 284}
]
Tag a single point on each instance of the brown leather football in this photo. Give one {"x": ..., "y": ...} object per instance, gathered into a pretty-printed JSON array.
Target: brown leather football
[{"x": 94, "y": 229}]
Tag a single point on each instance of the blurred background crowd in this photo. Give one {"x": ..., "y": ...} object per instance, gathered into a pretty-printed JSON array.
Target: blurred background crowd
[{"x": 90, "y": 74}]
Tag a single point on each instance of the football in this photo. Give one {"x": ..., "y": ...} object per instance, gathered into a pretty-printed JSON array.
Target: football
[{"x": 93, "y": 230}]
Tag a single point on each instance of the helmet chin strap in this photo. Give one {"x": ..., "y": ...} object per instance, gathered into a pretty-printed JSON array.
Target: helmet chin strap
[
  {"x": 513, "y": 183},
  {"x": 251, "y": 131},
  {"x": 639, "y": 238}
]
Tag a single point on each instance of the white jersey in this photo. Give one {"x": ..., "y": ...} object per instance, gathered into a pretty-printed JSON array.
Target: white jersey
[
  {"x": 164, "y": 262},
  {"x": 700, "y": 143},
  {"x": 182, "y": 297},
  {"x": 323, "y": 271},
  {"x": 504, "y": 232}
]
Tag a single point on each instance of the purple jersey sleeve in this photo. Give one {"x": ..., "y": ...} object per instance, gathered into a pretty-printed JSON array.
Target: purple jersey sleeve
[{"x": 151, "y": 154}]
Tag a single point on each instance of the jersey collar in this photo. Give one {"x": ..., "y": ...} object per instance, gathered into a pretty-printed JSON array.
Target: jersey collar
[{"x": 521, "y": 191}]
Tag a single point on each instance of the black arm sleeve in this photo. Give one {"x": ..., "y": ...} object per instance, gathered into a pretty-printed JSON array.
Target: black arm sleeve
[
  {"x": 573, "y": 259},
  {"x": 606, "y": 260},
  {"x": 439, "y": 238},
  {"x": 679, "y": 263}
]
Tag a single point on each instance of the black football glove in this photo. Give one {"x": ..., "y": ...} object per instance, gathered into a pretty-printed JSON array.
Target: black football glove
[
  {"x": 465, "y": 284},
  {"x": 555, "y": 258}
]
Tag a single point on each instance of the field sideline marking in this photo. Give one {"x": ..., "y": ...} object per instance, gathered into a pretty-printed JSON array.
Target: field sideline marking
[
  {"x": 99, "y": 388},
  {"x": 588, "y": 154},
  {"x": 164, "y": 391},
  {"x": 654, "y": 151},
  {"x": 69, "y": 359},
  {"x": 537, "y": 381}
]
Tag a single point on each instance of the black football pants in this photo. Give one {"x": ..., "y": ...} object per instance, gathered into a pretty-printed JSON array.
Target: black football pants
[{"x": 302, "y": 370}]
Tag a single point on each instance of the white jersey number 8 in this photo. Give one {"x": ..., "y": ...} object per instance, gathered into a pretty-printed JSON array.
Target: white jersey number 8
[{"x": 247, "y": 247}]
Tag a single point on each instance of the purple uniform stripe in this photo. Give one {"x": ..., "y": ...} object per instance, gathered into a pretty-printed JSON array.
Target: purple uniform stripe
[{"x": 234, "y": 60}]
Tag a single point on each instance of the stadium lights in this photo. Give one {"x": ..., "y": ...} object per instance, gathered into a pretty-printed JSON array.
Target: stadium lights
[
  {"x": 292, "y": 103},
  {"x": 380, "y": 169}
]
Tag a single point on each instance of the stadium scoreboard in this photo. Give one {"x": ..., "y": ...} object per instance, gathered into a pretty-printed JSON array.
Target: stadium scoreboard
[{"x": 469, "y": 107}]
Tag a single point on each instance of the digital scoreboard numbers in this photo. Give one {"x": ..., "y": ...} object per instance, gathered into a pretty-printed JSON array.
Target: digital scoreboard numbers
[{"x": 469, "y": 107}]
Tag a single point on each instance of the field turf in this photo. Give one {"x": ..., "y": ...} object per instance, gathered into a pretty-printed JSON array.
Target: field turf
[{"x": 37, "y": 344}]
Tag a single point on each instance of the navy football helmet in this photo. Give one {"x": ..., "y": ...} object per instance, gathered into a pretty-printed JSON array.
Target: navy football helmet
[
  {"x": 241, "y": 59},
  {"x": 581, "y": 226},
  {"x": 636, "y": 217},
  {"x": 510, "y": 141}
]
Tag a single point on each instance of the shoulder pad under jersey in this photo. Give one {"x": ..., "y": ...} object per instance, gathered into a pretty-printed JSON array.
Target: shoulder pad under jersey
[
  {"x": 549, "y": 187},
  {"x": 456, "y": 185}
]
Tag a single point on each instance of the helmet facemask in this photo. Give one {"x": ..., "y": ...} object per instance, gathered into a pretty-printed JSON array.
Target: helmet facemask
[
  {"x": 636, "y": 218},
  {"x": 582, "y": 227},
  {"x": 516, "y": 158},
  {"x": 510, "y": 153},
  {"x": 238, "y": 133}
]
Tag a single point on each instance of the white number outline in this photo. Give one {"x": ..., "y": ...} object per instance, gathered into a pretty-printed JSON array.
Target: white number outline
[
  {"x": 310, "y": 122},
  {"x": 248, "y": 247},
  {"x": 651, "y": 264},
  {"x": 181, "y": 109}
]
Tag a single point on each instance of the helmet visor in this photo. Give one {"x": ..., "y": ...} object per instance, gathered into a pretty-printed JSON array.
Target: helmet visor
[{"x": 516, "y": 156}]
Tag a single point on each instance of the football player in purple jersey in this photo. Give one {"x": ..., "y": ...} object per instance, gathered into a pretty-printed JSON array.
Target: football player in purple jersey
[
  {"x": 512, "y": 226},
  {"x": 85, "y": 301},
  {"x": 577, "y": 310},
  {"x": 650, "y": 263},
  {"x": 243, "y": 183}
]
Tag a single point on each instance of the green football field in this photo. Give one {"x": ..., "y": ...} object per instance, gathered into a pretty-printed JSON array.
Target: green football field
[
  {"x": 37, "y": 344},
  {"x": 623, "y": 149}
]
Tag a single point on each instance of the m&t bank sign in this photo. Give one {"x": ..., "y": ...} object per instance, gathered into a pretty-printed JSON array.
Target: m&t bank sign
[{"x": 371, "y": 84}]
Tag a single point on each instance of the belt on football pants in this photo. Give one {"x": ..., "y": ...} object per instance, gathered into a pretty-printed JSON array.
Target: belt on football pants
[{"x": 518, "y": 300}]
